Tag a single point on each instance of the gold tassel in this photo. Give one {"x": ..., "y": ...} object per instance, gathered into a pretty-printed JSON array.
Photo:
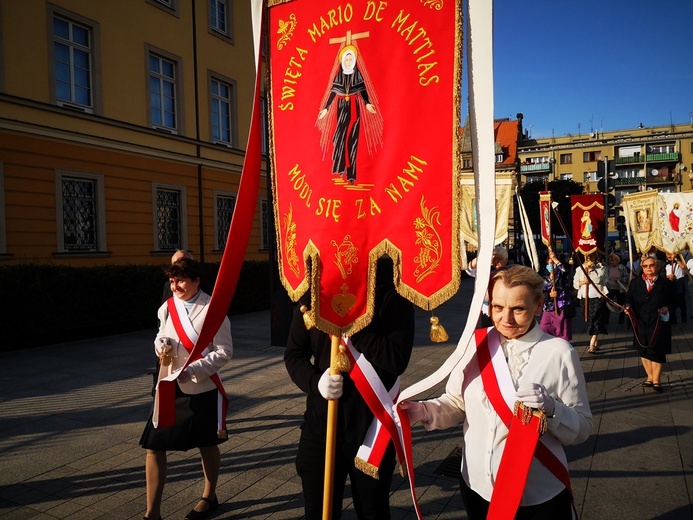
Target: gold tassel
[
  {"x": 307, "y": 318},
  {"x": 438, "y": 333},
  {"x": 525, "y": 414},
  {"x": 341, "y": 361}
]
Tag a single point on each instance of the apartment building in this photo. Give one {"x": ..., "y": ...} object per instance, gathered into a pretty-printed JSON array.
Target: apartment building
[
  {"x": 123, "y": 127},
  {"x": 658, "y": 157}
]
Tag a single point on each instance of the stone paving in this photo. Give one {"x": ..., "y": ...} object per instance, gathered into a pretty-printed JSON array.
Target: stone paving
[{"x": 71, "y": 416}]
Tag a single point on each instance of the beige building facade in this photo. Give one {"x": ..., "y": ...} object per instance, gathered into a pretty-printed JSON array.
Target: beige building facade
[
  {"x": 123, "y": 127},
  {"x": 658, "y": 157}
]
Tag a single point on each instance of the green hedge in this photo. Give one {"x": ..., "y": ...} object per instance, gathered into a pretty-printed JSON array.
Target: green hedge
[{"x": 47, "y": 304}]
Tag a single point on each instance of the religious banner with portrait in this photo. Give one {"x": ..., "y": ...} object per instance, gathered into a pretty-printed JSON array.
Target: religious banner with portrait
[
  {"x": 588, "y": 223},
  {"x": 660, "y": 220},
  {"x": 364, "y": 112},
  {"x": 545, "y": 212}
]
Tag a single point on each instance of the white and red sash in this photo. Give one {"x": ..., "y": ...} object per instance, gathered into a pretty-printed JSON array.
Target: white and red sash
[
  {"x": 523, "y": 440},
  {"x": 165, "y": 402},
  {"x": 380, "y": 402},
  {"x": 384, "y": 426}
]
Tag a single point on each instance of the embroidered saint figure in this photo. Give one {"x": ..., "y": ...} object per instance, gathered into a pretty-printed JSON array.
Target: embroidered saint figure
[{"x": 349, "y": 109}]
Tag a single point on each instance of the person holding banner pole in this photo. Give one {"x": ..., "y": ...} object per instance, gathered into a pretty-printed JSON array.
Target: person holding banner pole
[
  {"x": 591, "y": 280},
  {"x": 200, "y": 400},
  {"x": 386, "y": 344},
  {"x": 521, "y": 396},
  {"x": 559, "y": 308}
]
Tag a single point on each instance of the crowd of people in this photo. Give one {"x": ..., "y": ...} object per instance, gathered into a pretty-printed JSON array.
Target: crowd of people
[{"x": 523, "y": 358}]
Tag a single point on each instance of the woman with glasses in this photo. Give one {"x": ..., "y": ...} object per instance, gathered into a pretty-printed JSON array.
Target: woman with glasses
[{"x": 648, "y": 300}]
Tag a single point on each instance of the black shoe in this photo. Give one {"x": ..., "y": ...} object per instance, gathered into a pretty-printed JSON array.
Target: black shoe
[
  {"x": 657, "y": 388},
  {"x": 199, "y": 515}
]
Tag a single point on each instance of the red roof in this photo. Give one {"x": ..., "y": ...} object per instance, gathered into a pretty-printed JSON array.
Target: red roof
[{"x": 505, "y": 132}]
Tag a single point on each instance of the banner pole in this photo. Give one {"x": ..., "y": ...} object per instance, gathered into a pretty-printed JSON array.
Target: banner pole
[{"x": 331, "y": 440}]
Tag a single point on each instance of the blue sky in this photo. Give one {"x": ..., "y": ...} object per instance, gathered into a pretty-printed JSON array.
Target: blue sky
[{"x": 600, "y": 64}]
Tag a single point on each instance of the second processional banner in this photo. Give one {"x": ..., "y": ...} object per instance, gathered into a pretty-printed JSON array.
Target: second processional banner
[{"x": 364, "y": 114}]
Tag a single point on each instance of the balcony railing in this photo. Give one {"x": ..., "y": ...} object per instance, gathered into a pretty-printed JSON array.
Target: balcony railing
[
  {"x": 654, "y": 157},
  {"x": 650, "y": 157},
  {"x": 624, "y": 181},
  {"x": 629, "y": 159},
  {"x": 539, "y": 167}
]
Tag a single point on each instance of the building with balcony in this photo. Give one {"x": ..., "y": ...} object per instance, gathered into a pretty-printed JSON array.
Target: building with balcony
[
  {"x": 122, "y": 130},
  {"x": 646, "y": 157},
  {"x": 643, "y": 158}
]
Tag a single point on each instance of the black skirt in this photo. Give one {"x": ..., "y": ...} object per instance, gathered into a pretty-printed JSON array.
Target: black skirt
[{"x": 195, "y": 425}]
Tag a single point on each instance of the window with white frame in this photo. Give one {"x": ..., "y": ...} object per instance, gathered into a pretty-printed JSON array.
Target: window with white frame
[
  {"x": 163, "y": 92},
  {"x": 265, "y": 224},
  {"x": 73, "y": 55},
  {"x": 224, "y": 204},
  {"x": 80, "y": 212},
  {"x": 169, "y": 218},
  {"x": 223, "y": 110},
  {"x": 220, "y": 18},
  {"x": 566, "y": 176},
  {"x": 170, "y": 6},
  {"x": 661, "y": 148}
]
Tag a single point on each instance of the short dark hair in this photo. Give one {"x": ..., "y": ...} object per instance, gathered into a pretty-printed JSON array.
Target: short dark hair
[{"x": 184, "y": 268}]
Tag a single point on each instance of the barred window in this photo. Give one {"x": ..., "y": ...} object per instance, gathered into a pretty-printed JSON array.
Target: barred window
[
  {"x": 168, "y": 219},
  {"x": 224, "y": 212},
  {"x": 79, "y": 214},
  {"x": 72, "y": 60}
]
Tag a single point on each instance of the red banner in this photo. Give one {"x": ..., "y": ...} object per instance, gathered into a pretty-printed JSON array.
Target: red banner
[
  {"x": 588, "y": 222},
  {"x": 545, "y": 212},
  {"x": 364, "y": 106}
]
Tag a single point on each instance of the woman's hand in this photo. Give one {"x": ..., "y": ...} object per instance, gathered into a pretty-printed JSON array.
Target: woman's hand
[
  {"x": 184, "y": 376},
  {"x": 416, "y": 411}
]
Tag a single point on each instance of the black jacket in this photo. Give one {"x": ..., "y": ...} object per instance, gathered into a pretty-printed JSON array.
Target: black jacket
[
  {"x": 645, "y": 306},
  {"x": 386, "y": 342}
]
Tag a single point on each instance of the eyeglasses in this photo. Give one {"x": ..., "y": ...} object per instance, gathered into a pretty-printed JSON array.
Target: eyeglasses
[{"x": 647, "y": 266}]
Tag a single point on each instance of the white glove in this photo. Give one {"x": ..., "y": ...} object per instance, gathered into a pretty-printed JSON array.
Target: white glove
[
  {"x": 415, "y": 410},
  {"x": 330, "y": 386},
  {"x": 535, "y": 395}
]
